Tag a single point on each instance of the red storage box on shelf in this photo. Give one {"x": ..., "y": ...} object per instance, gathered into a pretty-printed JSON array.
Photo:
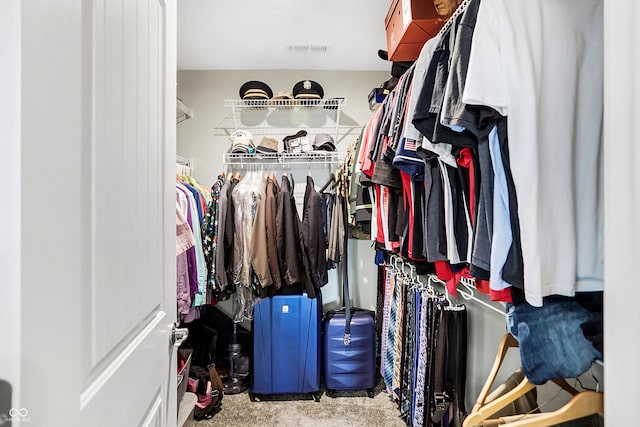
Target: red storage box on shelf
[{"x": 409, "y": 24}]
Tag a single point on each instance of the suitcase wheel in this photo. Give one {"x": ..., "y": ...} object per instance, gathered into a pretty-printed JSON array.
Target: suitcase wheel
[
  {"x": 254, "y": 397},
  {"x": 331, "y": 394},
  {"x": 370, "y": 393},
  {"x": 316, "y": 397}
]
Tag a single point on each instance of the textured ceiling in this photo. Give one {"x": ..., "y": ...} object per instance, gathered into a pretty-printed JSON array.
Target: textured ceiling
[{"x": 281, "y": 34}]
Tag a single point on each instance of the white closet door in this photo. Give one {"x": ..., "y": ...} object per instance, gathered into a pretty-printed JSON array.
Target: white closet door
[{"x": 96, "y": 203}]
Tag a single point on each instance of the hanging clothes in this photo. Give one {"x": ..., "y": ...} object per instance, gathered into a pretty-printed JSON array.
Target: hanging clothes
[
  {"x": 287, "y": 235},
  {"x": 210, "y": 241},
  {"x": 245, "y": 198},
  {"x": 184, "y": 242},
  {"x": 195, "y": 255},
  {"x": 259, "y": 245},
  {"x": 271, "y": 209},
  {"x": 313, "y": 240},
  {"x": 258, "y": 248},
  {"x": 192, "y": 288},
  {"x": 562, "y": 207}
]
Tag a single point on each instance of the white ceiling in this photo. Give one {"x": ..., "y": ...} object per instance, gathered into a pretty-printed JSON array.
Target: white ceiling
[{"x": 257, "y": 34}]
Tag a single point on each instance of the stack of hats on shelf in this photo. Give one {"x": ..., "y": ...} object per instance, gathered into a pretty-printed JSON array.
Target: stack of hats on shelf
[
  {"x": 242, "y": 142},
  {"x": 297, "y": 143},
  {"x": 301, "y": 143}
]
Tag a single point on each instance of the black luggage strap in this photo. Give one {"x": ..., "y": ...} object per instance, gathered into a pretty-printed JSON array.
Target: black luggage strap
[
  {"x": 345, "y": 280},
  {"x": 441, "y": 398}
]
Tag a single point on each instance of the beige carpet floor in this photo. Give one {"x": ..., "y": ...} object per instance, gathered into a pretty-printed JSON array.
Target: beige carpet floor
[{"x": 348, "y": 409}]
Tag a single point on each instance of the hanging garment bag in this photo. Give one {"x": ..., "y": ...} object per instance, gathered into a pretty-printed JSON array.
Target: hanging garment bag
[{"x": 349, "y": 338}]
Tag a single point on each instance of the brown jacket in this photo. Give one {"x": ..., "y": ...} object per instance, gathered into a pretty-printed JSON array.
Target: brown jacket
[{"x": 259, "y": 260}]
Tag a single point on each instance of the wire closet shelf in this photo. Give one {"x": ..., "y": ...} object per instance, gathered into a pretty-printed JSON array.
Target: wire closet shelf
[
  {"x": 329, "y": 103},
  {"x": 314, "y": 157}
]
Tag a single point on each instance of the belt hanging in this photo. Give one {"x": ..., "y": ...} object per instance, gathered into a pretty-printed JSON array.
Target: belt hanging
[{"x": 441, "y": 398}]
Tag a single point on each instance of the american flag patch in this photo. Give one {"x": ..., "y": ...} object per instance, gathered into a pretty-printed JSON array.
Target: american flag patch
[{"x": 410, "y": 145}]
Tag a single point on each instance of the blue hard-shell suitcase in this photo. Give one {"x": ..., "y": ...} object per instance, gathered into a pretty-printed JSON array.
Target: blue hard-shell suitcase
[
  {"x": 349, "y": 362},
  {"x": 349, "y": 342},
  {"x": 286, "y": 346}
]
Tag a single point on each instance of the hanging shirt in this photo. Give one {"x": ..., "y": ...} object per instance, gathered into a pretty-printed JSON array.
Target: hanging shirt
[
  {"x": 220, "y": 271},
  {"x": 313, "y": 239},
  {"x": 199, "y": 253},
  {"x": 209, "y": 237},
  {"x": 258, "y": 249},
  {"x": 287, "y": 235},
  {"x": 184, "y": 242},
  {"x": 406, "y": 158},
  {"x": 502, "y": 237},
  {"x": 553, "y": 99},
  {"x": 425, "y": 110},
  {"x": 271, "y": 209}
]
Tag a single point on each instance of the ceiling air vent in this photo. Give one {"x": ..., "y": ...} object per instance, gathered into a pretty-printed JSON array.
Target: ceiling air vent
[{"x": 306, "y": 48}]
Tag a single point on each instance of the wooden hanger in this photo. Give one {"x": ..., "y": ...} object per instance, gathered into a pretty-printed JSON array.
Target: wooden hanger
[
  {"x": 581, "y": 405},
  {"x": 477, "y": 416},
  {"x": 507, "y": 342},
  {"x": 482, "y": 411}
]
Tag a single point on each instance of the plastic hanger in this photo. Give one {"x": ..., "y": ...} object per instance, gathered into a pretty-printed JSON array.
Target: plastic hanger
[{"x": 469, "y": 295}]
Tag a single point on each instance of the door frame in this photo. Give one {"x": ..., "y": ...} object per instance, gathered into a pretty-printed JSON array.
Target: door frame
[{"x": 10, "y": 213}]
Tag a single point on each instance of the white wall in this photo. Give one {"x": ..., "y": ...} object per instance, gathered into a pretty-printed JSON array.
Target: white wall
[
  {"x": 622, "y": 211},
  {"x": 10, "y": 249}
]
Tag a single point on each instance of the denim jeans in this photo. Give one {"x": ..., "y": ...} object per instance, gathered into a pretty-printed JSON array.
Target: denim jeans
[{"x": 552, "y": 344}]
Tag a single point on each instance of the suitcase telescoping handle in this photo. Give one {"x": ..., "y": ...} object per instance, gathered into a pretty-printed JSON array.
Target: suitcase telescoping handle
[{"x": 345, "y": 277}]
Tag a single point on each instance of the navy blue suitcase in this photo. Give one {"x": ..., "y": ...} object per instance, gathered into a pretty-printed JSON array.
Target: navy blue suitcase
[
  {"x": 349, "y": 341},
  {"x": 349, "y": 360},
  {"x": 286, "y": 346}
]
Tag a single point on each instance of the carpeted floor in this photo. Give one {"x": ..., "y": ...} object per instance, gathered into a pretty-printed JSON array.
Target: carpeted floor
[{"x": 348, "y": 409}]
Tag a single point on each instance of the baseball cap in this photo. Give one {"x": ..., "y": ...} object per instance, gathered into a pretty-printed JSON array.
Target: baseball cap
[
  {"x": 324, "y": 142},
  {"x": 242, "y": 142}
]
